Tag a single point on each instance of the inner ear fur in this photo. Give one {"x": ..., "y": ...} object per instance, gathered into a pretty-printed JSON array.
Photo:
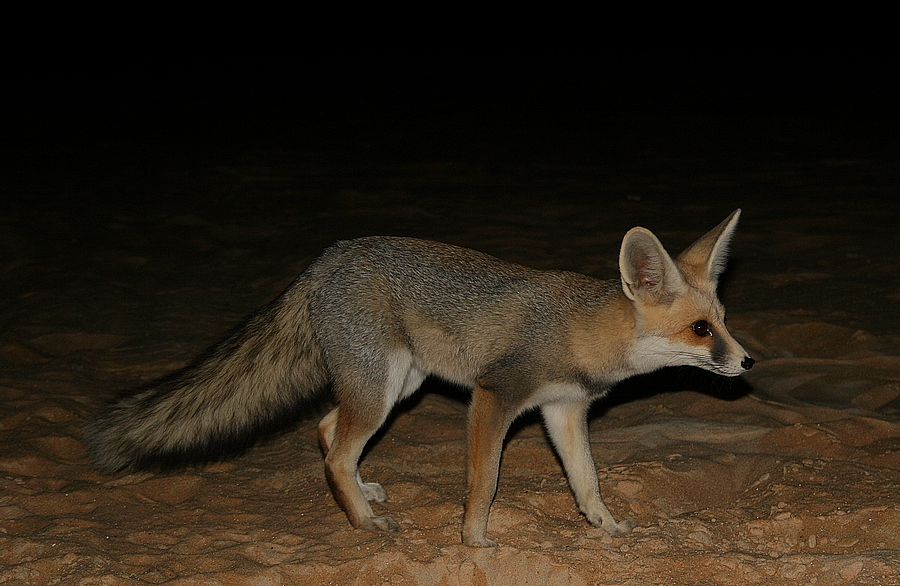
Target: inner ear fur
[
  {"x": 648, "y": 272},
  {"x": 706, "y": 258}
]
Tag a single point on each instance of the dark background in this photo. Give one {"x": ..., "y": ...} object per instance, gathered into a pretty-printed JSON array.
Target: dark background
[
  {"x": 427, "y": 145},
  {"x": 66, "y": 103}
]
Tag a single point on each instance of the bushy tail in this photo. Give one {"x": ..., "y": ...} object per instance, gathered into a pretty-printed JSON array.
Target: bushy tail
[{"x": 262, "y": 371}]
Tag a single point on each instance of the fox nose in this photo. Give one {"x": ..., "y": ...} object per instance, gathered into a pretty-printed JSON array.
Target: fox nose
[{"x": 747, "y": 363}]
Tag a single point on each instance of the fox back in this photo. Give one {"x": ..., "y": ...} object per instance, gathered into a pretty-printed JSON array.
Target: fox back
[{"x": 454, "y": 311}]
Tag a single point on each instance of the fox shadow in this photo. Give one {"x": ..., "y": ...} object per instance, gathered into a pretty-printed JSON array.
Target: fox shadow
[
  {"x": 671, "y": 380},
  {"x": 636, "y": 388}
]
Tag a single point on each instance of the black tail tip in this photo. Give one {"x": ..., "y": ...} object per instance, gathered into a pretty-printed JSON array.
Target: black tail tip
[{"x": 747, "y": 363}]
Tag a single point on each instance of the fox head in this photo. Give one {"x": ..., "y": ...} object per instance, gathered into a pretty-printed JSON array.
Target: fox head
[{"x": 678, "y": 317}]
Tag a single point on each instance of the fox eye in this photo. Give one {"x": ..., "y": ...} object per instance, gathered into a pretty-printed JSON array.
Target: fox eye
[{"x": 701, "y": 328}]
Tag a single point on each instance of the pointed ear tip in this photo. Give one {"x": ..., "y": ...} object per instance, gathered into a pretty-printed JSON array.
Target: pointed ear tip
[
  {"x": 732, "y": 220},
  {"x": 630, "y": 236},
  {"x": 639, "y": 234},
  {"x": 636, "y": 230}
]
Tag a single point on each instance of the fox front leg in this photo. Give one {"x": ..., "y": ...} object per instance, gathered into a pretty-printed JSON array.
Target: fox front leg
[
  {"x": 567, "y": 427},
  {"x": 488, "y": 424}
]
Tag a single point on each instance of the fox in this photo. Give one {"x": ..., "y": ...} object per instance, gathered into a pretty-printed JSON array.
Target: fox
[{"x": 372, "y": 317}]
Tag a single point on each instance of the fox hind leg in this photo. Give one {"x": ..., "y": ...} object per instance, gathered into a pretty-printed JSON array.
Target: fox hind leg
[
  {"x": 344, "y": 441},
  {"x": 567, "y": 427},
  {"x": 345, "y": 431},
  {"x": 372, "y": 491}
]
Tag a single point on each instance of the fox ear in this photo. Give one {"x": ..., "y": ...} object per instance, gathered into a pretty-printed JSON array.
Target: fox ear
[
  {"x": 706, "y": 257},
  {"x": 648, "y": 272}
]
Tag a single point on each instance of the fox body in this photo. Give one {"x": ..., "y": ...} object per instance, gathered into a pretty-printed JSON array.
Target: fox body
[{"x": 372, "y": 318}]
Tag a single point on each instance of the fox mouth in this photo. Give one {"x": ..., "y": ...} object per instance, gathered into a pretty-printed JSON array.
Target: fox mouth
[
  {"x": 727, "y": 371},
  {"x": 721, "y": 364},
  {"x": 727, "y": 368}
]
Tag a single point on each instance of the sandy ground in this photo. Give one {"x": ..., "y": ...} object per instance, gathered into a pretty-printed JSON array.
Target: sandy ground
[{"x": 123, "y": 258}]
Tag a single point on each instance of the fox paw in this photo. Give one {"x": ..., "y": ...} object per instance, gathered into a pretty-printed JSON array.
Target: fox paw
[
  {"x": 480, "y": 542},
  {"x": 618, "y": 529},
  {"x": 383, "y": 524}
]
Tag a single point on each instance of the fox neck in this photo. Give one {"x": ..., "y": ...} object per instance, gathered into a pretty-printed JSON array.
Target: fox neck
[
  {"x": 616, "y": 341},
  {"x": 604, "y": 342}
]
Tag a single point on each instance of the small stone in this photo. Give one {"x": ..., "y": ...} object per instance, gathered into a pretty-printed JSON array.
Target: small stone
[
  {"x": 629, "y": 488},
  {"x": 851, "y": 571}
]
